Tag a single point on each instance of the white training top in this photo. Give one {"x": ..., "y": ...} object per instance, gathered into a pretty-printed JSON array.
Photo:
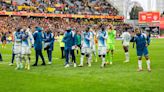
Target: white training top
[{"x": 126, "y": 38}]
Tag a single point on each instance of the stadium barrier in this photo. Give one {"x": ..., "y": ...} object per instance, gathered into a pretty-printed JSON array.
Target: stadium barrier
[
  {"x": 162, "y": 23},
  {"x": 60, "y": 15}
]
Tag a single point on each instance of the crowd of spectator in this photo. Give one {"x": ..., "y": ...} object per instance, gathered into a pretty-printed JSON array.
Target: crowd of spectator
[
  {"x": 96, "y": 7},
  {"x": 10, "y": 24}
]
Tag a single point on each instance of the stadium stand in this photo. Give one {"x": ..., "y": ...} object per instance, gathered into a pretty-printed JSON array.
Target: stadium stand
[{"x": 60, "y": 6}]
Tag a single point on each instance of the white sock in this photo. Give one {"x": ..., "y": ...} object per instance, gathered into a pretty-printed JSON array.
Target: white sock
[
  {"x": 127, "y": 56},
  {"x": 21, "y": 64},
  {"x": 89, "y": 59},
  {"x": 148, "y": 64},
  {"x": 81, "y": 59},
  {"x": 103, "y": 60},
  {"x": 17, "y": 60},
  {"x": 94, "y": 53},
  {"x": 140, "y": 64}
]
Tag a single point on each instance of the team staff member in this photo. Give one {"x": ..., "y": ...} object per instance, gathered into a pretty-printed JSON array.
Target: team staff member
[
  {"x": 70, "y": 45},
  {"x": 49, "y": 44},
  {"x": 38, "y": 39}
]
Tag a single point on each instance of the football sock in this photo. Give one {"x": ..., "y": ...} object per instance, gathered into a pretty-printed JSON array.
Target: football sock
[
  {"x": 81, "y": 59},
  {"x": 127, "y": 56},
  {"x": 140, "y": 64},
  {"x": 89, "y": 59},
  {"x": 103, "y": 61},
  {"x": 148, "y": 64}
]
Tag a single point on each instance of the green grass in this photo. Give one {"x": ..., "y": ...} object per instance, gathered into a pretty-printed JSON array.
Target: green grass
[{"x": 119, "y": 77}]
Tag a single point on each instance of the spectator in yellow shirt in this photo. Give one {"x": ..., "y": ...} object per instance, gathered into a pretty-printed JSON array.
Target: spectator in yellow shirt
[{"x": 61, "y": 44}]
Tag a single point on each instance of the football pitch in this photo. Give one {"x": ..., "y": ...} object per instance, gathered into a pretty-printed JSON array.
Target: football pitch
[{"x": 119, "y": 77}]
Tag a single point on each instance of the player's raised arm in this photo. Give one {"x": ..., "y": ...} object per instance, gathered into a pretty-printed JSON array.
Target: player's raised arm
[
  {"x": 89, "y": 37},
  {"x": 31, "y": 37}
]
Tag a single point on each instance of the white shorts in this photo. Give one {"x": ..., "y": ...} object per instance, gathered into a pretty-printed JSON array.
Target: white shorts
[
  {"x": 125, "y": 43},
  {"x": 46, "y": 44},
  {"x": 17, "y": 49},
  {"x": 86, "y": 50},
  {"x": 102, "y": 50},
  {"x": 26, "y": 50}
]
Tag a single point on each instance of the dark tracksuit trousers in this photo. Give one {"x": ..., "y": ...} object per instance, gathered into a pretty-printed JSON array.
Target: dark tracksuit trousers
[
  {"x": 49, "y": 53},
  {"x": 37, "y": 54},
  {"x": 71, "y": 52},
  {"x": 62, "y": 52},
  {"x": 79, "y": 47},
  {"x": 13, "y": 57}
]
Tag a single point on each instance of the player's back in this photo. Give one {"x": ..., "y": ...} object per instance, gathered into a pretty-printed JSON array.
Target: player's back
[
  {"x": 30, "y": 37},
  {"x": 92, "y": 38},
  {"x": 17, "y": 38},
  {"x": 101, "y": 38},
  {"x": 87, "y": 39}
]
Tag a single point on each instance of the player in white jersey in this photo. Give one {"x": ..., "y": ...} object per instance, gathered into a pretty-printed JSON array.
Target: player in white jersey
[
  {"x": 86, "y": 47},
  {"x": 17, "y": 48},
  {"x": 126, "y": 37},
  {"x": 102, "y": 46},
  {"x": 93, "y": 46},
  {"x": 27, "y": 42}
]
